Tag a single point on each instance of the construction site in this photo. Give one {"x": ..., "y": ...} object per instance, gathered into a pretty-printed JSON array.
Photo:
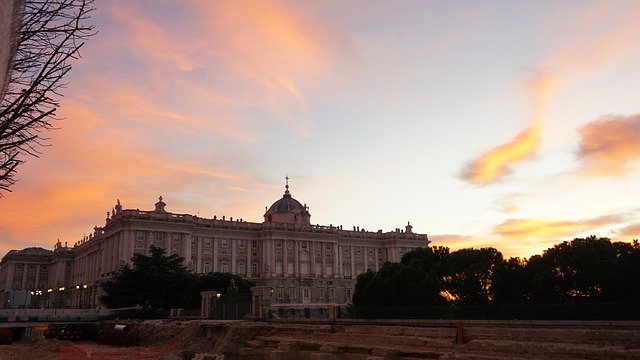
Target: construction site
[{"x": 178, "y": 339}]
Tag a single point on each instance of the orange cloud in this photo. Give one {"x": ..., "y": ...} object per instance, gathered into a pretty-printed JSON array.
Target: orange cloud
[
  {"x": 496, "y": 163},
  {"x": 153, "y": 40},
  {"x": 516, "y": 229},
  {"x": 585, "y": 53},
  {"x": 609, "y": 145},
  {"x": 631, "y": 231},
  {"x": 123, "y": 136},
  {"x": 522, "y": 248},
  {"x": 261, "y": 53},
  {"x": 92, "y": 164},
  {"x": 456, "y": 242}
]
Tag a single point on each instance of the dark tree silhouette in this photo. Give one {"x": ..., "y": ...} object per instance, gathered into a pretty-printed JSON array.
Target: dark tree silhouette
[
  {"x": 509, "y": 282},
  {"x": 49, "y": 35},
  {"x": 467, "y": 275},
  {"x": 586, "y": 270},
  {"x": 156, "y": 281},
  {"x": 412, "y": 282},
  {"x": 589, "y": 270}
]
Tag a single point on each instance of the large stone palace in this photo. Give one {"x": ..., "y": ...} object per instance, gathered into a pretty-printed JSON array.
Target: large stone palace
[{"x": 301, "y": 263}]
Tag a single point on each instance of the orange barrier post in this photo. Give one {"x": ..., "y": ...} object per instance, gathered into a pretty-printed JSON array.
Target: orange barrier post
[{"x": 459, "y": 337}]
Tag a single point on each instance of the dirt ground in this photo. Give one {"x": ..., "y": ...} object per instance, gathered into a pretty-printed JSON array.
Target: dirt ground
[{"x": 140, "y": 341}]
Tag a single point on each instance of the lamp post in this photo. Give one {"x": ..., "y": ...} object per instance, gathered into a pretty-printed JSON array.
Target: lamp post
[
  {"x": 78, "y": 297},
  {"x": 84, "y": 286},
  {"x": 36, "y": 294},
  {"x": 215, "y": 305},
  {"x": 61, "y": 297},
  {"x": 49, "y": 295}
]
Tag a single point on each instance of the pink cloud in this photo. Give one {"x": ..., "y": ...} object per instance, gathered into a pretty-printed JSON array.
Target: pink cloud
[
  {"x": 586, "y": 52},
  {"x": 516, "y": 229},
  {"x": 496, "y": 163},
  {"x": 631, "y": 231},
  {"x": 264, "y": 51},
  {"x": 610, "y": 145}
]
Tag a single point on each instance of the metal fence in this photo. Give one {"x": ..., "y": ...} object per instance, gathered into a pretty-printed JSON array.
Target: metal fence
[
  {"x": 233, "y": 306},
  {"x": 578, "y": 311}
]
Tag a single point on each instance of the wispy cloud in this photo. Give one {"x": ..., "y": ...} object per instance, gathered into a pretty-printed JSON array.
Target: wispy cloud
[
  {"x": 610, "y": 145},
  {"x": 167, "y": 106},
  {"x": 571, "y": 61},
  {"x": 631, "y": 231},
  {"x": 515, "y": 229},
  {"x": 523, "y": 248},
  {"x": 496, "y": 163}
]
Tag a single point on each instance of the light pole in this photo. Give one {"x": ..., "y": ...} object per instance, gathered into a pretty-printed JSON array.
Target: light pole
[
  {"x": 84, "y": 286},
  {"x": 36, "y": 294},
  {"x": 215, "y": 306},
  {"x": 49, "y": 295},
  {"x": 61, "y": 297}
]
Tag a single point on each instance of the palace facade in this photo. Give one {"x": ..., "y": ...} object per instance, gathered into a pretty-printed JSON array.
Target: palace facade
[{"x": 303, "y": 264}]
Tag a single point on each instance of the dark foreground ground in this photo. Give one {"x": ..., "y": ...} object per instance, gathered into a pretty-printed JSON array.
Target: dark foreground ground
[{"x": 244, "y": 340}]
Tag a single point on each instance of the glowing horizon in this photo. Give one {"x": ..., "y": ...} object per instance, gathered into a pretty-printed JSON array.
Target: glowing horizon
[{"x": 510, "y": 125}]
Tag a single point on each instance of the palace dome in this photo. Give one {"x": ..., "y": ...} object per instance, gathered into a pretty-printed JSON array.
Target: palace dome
[
  {"x": 288, "y": 210},
  {"x": 286, "y": 204}
]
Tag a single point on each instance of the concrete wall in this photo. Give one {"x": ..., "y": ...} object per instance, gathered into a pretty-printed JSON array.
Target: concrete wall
[{"x": 46, "y": 315}]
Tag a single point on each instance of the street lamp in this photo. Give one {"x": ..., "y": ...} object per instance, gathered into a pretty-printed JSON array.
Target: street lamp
[
  {"x": 48, "y": 301},
  {"x": 79, "y": 302},
  {"x": 61, "y": 297},
  {"x": 84, "y": 286},
  {"x": 36, "y": 294}
]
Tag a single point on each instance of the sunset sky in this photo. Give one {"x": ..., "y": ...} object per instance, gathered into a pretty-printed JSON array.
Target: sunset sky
[{"x": 511, "y": 124}]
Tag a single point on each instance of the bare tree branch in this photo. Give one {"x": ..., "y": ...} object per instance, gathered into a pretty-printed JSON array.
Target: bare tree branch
[{"x": 50, "y": 35}]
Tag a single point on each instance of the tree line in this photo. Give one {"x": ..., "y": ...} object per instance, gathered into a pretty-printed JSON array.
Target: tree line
[
  {"x": 158, "y": 281},
  {"x": 584, "y": 270}
]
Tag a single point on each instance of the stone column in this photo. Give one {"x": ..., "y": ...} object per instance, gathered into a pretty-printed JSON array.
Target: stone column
[
  {"x": 249, "y": 265},
  {"x": 37, "y": 281},
  {"x": 208, "y": 302},
  {"x": 214, "y": 255},
  {"x": 272, "y": 257},
  {"x": 336, "y": 255},
  {"x": 340, "y": 261},
  {"x": 186, "y": 248},
  {"x": 353, "y": 262},
  {"x": 149, "y": 241},
  {"x": 199, "y": 255},
  {"x": 261, "y": 301},
  {"x": 234, "y": 268},
  {"x": 25, "y": 269},
  {"x": 296, "y": 262}
]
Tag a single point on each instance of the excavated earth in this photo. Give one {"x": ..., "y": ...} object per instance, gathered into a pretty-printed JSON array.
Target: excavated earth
[{"x": 243, "y": 340}]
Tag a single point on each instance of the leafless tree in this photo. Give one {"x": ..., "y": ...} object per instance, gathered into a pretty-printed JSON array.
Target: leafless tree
[{"x": 49, "y": 35}]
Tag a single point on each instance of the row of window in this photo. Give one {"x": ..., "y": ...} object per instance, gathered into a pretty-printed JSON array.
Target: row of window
[
  {"x": 18, "y": 286},
  {"x": 224, "y": 243},
  {"x": 224, "y": 267},
  {"x": 160, "y": 236},
  {"x": 303, "y": 245},
  {"x": 281, "y": 293},
  {"x": 31, "y": 266},
  {"x": 241, "y": 243},
  {"x": 30, "y": 273}
]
